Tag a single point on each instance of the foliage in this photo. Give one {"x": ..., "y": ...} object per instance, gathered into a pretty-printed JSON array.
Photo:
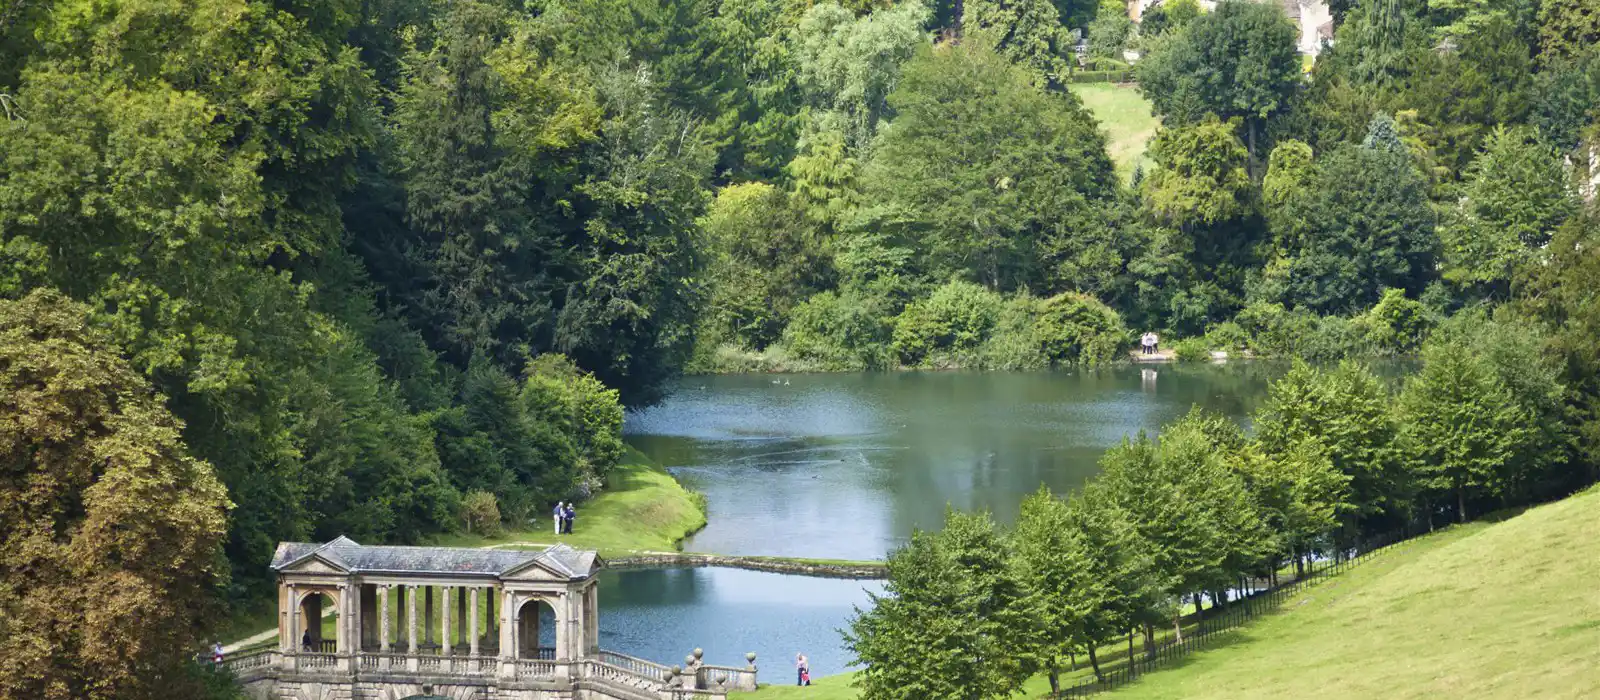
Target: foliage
[
  {"x": 763, "y": 261},
  {"x": 1396, "y": 324},
  {"x": 952, "y": 321},
  {"x": 983, "y": 169},
  {"x": 1109, "y": 35},
  {"x": 1227, "y": 336},
  {"x": 1027, "y": 32},
  {"x": 951, "y": 598},
  {"x": 480, "y": 513},
  {"x": 1191, "y": 350},
  {"x": 842, "y": 331},
  {"x": 1516, "y": 195},
  {"x": 1363, "y": 226},
  {"x": 1237, "y": 61},
  {"x": 112, "y": 531},
  {"x": 1202, "y": 175},
  {"x": 1077, "y": 329}
]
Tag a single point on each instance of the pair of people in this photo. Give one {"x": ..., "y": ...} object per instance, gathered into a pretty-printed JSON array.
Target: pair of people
[
  {"x": 1148, "y": 343},
  {"x": 564, "y": 514},
  {"x": 802, "y": 667}
]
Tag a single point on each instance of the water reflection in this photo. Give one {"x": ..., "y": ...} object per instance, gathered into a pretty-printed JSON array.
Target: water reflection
[
  {"x": 663, "y": 614},
  {"x": 847, "y": 465}
]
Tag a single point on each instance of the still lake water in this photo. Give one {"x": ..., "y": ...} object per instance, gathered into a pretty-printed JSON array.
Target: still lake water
[{"x": 846, "y": 466}]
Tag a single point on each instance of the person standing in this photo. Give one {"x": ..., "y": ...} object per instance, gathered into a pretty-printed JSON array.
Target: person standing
[
  {"x": 560, "y": 516},
  {"x": 802, "y": 670},
  {"x": 1155, "y": 343},
  {"x": 572, "y": 514},
  {"x": 216, "y": 653}
]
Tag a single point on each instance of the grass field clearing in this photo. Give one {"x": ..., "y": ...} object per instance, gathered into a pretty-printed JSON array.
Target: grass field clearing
[{"x": 1125, "y": 116}]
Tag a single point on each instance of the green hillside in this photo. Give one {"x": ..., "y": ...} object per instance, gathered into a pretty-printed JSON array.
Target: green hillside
[
  {"x": 1125, "y": 116},
  {"x": 1486, "y": 610},
  {"x": 1507, "y": 610}
]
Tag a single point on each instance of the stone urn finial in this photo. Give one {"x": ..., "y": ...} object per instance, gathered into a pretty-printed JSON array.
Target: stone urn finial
[
  {"x": 698, "y": 652},
  {"x": 750, "y": 657}
]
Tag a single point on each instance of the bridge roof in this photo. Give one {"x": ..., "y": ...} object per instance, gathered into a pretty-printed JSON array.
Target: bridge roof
[{"x": 357, "y": 558}]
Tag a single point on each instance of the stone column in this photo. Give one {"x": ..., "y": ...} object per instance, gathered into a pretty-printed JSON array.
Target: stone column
[
  {"x": 508, "y": 649},
  {"x": 473, "y": 633},
  {"x": 291, "y": 660},
  {"x": 291, "y": 642},
  {"x": 591, "y": 619},
  {"x": 444, "y": 619},
  {"x": 383, "y": 618},
  {"x": 411, "y": 628},
  {"x": 342, "y": 637}
]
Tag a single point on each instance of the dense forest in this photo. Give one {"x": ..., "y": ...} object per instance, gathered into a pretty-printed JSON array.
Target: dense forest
[{"x": 364, "y": 262}]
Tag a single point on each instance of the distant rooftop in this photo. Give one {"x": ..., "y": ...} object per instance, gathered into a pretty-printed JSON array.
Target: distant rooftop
[{"x": 362, "y": 559}]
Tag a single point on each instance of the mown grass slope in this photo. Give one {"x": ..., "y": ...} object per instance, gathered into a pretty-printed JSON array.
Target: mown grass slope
[
  {"x": 1508, "y": 610},
  {"x": 1125, "y": 116},
  {"x": 642, "y": 509}
]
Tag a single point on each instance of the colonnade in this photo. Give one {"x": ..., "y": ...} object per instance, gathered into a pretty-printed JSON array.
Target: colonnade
[{"x": 417, "y": 618}]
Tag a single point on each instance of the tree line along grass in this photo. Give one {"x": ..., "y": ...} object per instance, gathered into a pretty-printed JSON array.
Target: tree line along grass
[{"x": 1485, "y": 610}]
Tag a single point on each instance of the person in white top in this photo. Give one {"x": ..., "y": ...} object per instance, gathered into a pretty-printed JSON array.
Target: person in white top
[{"x": 560, "y": 515}]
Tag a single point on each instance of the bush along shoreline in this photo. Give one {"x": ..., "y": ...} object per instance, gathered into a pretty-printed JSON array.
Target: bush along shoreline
[{"x": 963, "y": 326}]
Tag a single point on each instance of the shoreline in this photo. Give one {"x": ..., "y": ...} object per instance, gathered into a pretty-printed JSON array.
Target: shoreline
[{"x": 816, "y": 568}]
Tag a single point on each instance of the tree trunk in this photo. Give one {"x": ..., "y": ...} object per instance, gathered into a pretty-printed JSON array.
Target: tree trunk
[
  {"x": 1131, "y": 661},
  {"x": 1055, "y": 681},
  {"x": 1251, "y": 130},
  {"x": 1149, "y": 641},
  {"x": 1461, "y": 503},
  {"x": 1095, "y": 662},
  {"x": 1177, "y": 625}
]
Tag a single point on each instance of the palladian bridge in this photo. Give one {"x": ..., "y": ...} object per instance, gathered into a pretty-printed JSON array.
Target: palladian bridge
[{"x": 387, "y": 623}]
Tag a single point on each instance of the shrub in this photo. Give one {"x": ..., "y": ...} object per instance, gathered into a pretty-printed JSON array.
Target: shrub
[
  {"x": 1191, "y": 350},
  {"x": 581, "y": 408},
  {"x": 480, "y": 512},
  {"x": 952, "y": 322},
  {"x": 1228, "y": 335},
  {"x": 1015, "y": 344},
  {"x": 1271, "y": 329},
  {"x": 1396, "y": 323},
  {"x": 840, "y": 331},
  {"x": 1332, "y": 338},
  {"x": 1077, "y": 329}
]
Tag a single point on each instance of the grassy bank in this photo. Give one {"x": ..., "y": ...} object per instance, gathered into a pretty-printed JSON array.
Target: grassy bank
[
  {"x": 642, "y": 509},
  {"x": 1483, "y": 611},
  {"x": 1125, "y": 116}
]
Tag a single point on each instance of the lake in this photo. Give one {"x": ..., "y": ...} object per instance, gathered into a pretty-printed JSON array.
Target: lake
[
  {"x": 846, "y": 466},
  {"x": 663, "y": 614}
]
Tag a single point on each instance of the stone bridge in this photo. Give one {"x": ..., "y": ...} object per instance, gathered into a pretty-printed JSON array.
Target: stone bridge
[{"x": 376, "y": 623}]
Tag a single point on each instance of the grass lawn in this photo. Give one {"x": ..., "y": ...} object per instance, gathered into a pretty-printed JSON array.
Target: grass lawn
[
  {"x": 826, "y": 688},
  {"x": 1509, "y": 610},
  {"x": 1125, "y": 116},
  {"x": 642, "y": 509}
]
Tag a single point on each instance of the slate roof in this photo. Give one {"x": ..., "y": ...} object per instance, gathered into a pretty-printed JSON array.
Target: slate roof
[{"x": 358, "y": 558}]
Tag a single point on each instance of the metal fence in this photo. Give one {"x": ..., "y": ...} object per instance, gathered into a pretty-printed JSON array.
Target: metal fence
[{"x": 1227, "y": 617}]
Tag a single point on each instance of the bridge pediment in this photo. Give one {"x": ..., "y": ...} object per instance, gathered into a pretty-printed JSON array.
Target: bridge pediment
[{"x": 315, "y": 564}]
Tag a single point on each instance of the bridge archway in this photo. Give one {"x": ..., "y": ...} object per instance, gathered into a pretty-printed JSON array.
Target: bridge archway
[
  {"x": 316, "y": 628},
  {"x": 537, "y": 630}
]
